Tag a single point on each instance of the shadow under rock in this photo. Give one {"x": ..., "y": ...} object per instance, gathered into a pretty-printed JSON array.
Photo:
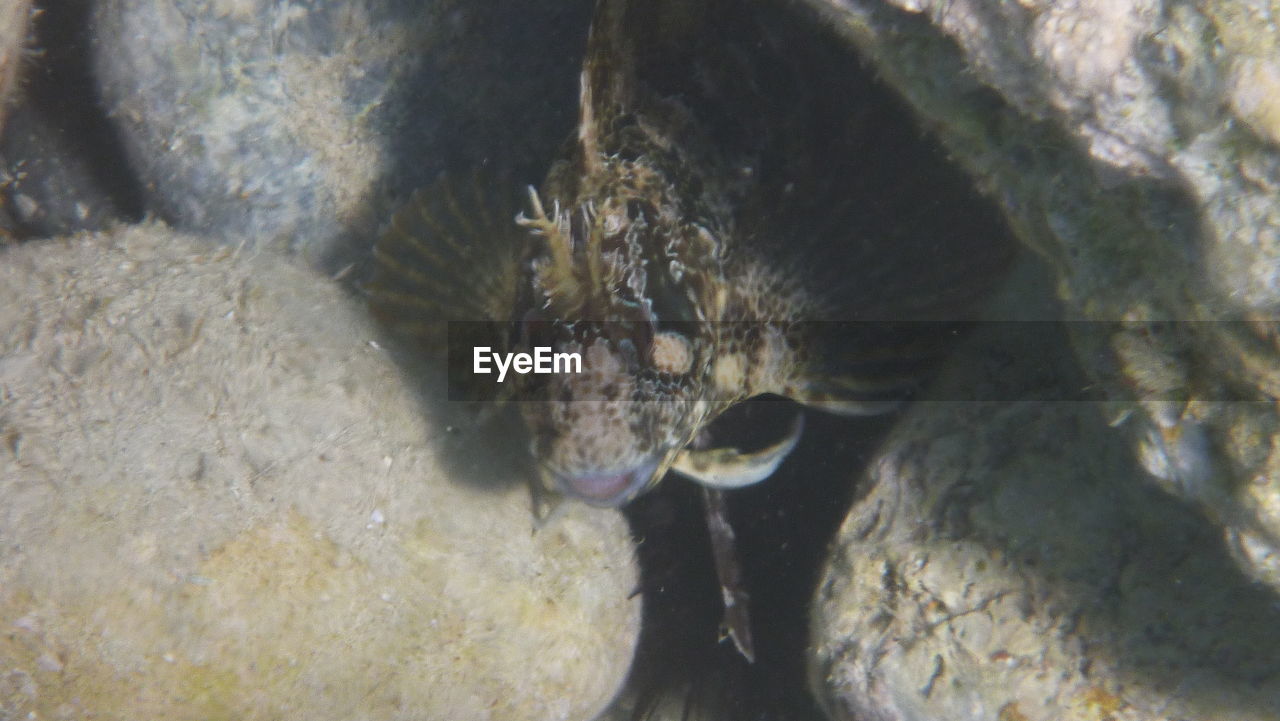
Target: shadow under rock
[
  {"x": 783, "y": 526},
  {"x": 495, "y": 95},
  {"x": 480, "y": 444},
  {"x": 59, "y": 149}
]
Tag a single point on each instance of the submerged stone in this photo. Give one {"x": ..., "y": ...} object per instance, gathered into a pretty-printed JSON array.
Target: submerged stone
[
  {"x": 1011, "y": 562},
  {"x": 1133, "y": 145},
  {"x": 223, "y": 500}
]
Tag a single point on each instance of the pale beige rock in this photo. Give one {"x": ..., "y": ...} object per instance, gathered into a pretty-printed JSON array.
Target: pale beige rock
[
  {"x": 15, "y": 16},
  {"x": 1011, "y": 563},
  {"x": 222, "y": 500},
  {"x": 1134, "y": 145}
]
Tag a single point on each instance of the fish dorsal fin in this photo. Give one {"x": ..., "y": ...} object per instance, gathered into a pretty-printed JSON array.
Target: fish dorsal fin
[
  {"x": 725, "y": 468},
  {"x": 607, "y": 78}
]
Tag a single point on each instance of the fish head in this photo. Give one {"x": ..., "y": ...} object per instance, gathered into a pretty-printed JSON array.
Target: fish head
[
  {"x": 610, "y": 432},
  {"x": 610, "y": 285}
]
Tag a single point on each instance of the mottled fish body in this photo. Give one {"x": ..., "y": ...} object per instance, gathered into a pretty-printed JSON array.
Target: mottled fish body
[
  {"x": 689, "y": 269},
  {"x": 632, "y": 252}
]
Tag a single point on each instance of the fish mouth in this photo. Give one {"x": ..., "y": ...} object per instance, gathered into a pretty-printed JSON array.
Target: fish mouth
[{"x": 607, "y": 488}]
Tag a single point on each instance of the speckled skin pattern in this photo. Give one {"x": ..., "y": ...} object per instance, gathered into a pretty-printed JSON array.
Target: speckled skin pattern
[
  {"x": 700, "y": 221},
  {"x": 640, "y": 239},
  {"x": 627, "y": 255}
]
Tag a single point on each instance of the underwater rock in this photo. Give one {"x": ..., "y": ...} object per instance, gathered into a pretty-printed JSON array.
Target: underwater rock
[
  {"x": 1136, "y": 146},
  {"x": 1010, "y": 562},
  {"x": 14, "y": 18},
  {"x": 222, "y": 499},
  {"x": 307, "y": 123},
  {"x": 250, "y": 119}
]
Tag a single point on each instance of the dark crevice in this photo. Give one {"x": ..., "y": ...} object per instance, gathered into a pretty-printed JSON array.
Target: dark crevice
[
  {"x": 783, "y": 528},
  {"x": 62, "y": 130}
]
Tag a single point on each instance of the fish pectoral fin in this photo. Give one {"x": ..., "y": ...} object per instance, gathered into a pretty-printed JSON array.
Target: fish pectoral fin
[
  {"x": 451, "y": 253},
  {"x": 850, "y": 397},
  {"x": 447, "y": 275},
  {"x": 736, "y": 625},
  {"x": 725, "y": 468}
]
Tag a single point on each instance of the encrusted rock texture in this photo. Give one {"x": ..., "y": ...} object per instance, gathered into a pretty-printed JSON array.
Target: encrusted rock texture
[
  {"x": 1136, "y": 145},
  {"x": 225, "y": 494},
  {"x": 1009, "y": 563},
  {"x": 223, "y": 500},
  {"x": 305, "y": 124},
  {"x": 1012, "y": 562},
  {"x": 14, "y": 22},
  {"x": 14, "y": 18}
]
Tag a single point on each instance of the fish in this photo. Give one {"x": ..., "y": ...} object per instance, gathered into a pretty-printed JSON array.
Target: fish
[{"x": 690, "y": 270}]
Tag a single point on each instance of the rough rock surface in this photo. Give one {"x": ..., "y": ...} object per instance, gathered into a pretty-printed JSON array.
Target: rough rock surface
[
  {"x": 1136, "y": 145},
  {"x": 1012, "y": 563},
  {"x": 222, "y": 500},
  {"x": 14, "y": 16},
  {"x": 306, "y": 123}
]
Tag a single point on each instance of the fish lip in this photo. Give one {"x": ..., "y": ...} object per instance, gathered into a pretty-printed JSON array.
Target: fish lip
[{"x": 606, "y": 488}]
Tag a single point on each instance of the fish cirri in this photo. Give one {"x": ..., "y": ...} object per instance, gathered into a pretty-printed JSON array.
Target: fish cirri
[{"x": 692, "y": 258}]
